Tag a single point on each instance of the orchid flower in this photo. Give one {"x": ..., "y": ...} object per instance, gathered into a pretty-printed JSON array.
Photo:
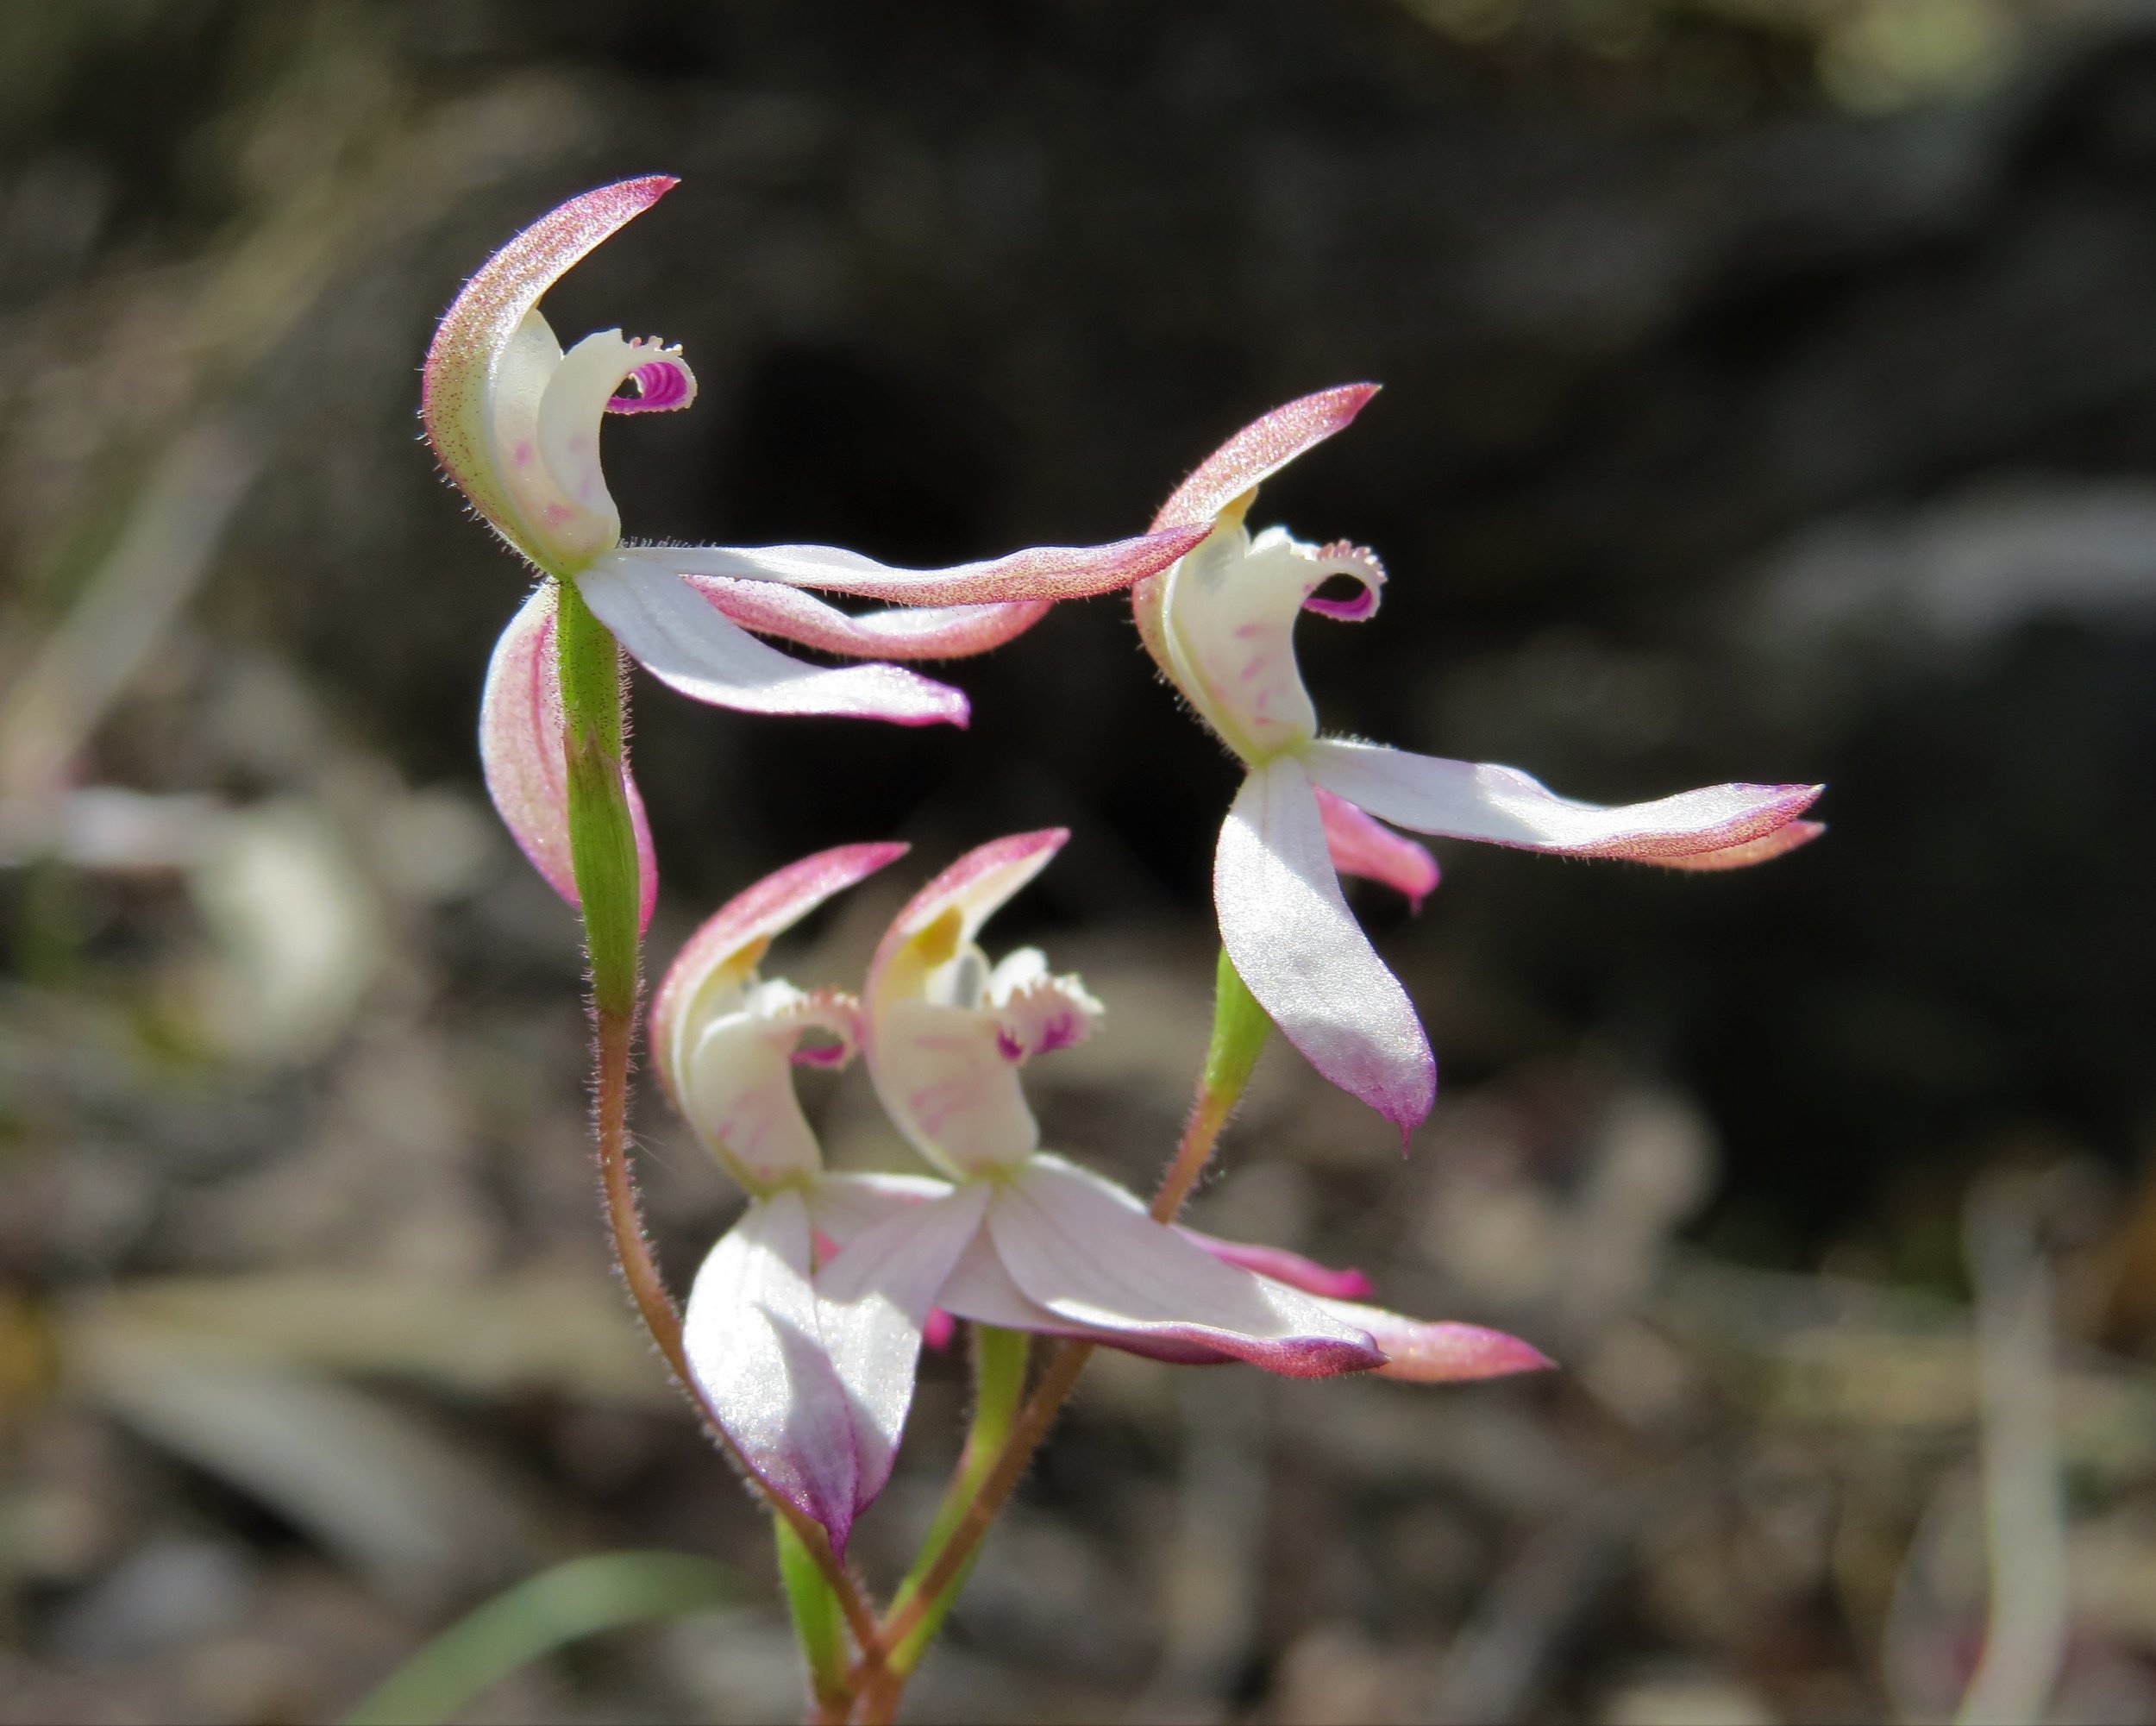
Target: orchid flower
[
  {"x": 1221, "y": 622},
  {"x": 515, "y": 422},
  {"x": 1027, "y": 1241},
  {"x": 725, "y": 1040}
]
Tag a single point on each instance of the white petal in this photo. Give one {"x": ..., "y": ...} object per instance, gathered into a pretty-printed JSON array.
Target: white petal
[
  {"x": 1302, "y": 953},
  {"x": 873, "y": 1298},
  {"x": 1467, "y": 801},
  {"x": 735, "y": 1084},
  {"x": 760, "y": 1364},
  {"x": 689, "y": 646},
  {"x": 1087, "y": 1250},
  {"x": 843, "y": 1206}
]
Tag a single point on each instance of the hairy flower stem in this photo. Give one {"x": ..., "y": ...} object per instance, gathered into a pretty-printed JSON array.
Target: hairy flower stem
[
  {"x": 1239, "y": 1031},
  {"x": 603, "y": 851}
]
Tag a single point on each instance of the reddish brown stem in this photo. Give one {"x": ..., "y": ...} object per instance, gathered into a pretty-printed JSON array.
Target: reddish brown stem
[{"x": 654, "y": 1305}]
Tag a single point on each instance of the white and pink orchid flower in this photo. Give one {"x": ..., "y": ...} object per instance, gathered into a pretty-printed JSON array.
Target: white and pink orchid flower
[
  {"x": 1221, "y": 622},
  {"x": 515, "y": 422},
  {"x": 1027, "y": 1241},
  {"x": 725, "y": 1041}
]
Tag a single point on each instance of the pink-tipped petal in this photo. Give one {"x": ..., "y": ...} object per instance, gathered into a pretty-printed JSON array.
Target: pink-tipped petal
[
  {"x": 898, "y": 633},
  {"x": 520, "y": 753},
  {"x": 479, "y": 323},
  {"x": 689, "y": 647},
  {"x": 1502, "y": 806},
  {"x": 1362, "y": 845},
  {"x": 1260, "y": 450},
  {"x": 753, "y": 917},
  {"x": 1284, "y": 1266},
  {"x": 1302, "y": 953},
  {"x": 1782, "y": 841},
  {"x": 1086, "y": 1250},
  {"x": 938, "y": 1329},
  {"x": 761, "y": 1368},
  {"x": 873, "y": 1300},
  {"x": 1040, "y": 572},
  {"x": 1423, "y": 1352},
  {"x": 975, "y": 887}
]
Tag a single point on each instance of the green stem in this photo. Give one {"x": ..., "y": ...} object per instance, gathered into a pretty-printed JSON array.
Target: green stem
[
  {"x": 998, "y": 1370},
  {"x": 602, "y": 837},
  {"x": 1239, "y": 1030},
  {"x": 817, "y": 1621}
]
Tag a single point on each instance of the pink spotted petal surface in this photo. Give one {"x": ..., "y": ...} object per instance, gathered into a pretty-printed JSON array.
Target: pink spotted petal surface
[
  {"x": 760, "y": 1366},
  {"x": 479, "y": 322},
  {"x": 1302, "y": 954},
  {"x": 1085, "y": 1250},
  {"x": 691, "y": 647},
  {"x": 1362, "y": 845},
  {"x": 896, "y": 632},
  {"x": 520, "y": 753},
  {"x": 754, "y": 916},
  {"x": 1502, "y": 806}
]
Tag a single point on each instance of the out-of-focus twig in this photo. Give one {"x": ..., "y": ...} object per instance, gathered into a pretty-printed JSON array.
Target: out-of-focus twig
[
  {"x": 125, "y": 611},
  {"x": 2025, "y": 1636}
]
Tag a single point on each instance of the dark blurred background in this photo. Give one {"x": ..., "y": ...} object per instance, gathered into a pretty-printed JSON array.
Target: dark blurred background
[{"x": 1770, "y": 394}]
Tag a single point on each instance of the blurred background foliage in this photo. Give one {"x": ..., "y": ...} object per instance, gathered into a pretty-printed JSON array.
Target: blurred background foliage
[{"x": 1771, "y": 394}]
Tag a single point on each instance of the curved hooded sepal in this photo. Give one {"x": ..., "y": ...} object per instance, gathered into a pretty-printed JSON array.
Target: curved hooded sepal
[
  {"x": 521, "y": 754},
  {"x": 725, "y": 948},
  {"x": 760, "y": 1364},
  {"x": 481, "y": 323},
  {"x": 1253, "y": 456}
]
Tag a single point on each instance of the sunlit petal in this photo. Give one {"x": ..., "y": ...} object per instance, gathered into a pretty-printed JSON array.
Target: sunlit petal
[
  {"x": 760, "y": 1366},
  {"x": 1260, "y": 450},
  {"x": 1040, "y": 572},
  {"x": 520, "y": 752},
  {"x": 843, "y": 1206},
  {"x": 1427, "y": 1352},
  {"x": 873, "y": 1298},
  {"x": 1304, "y": 957},
  {"x": 896, "y": 632},
  {"x": 1282, "y": 1266},
  {"x": 689, "y": 646},
  {"x": 1086, "y": 1250},
  {"x": 1502, "y": 806},
  {"x": 1782, "y": 841}
]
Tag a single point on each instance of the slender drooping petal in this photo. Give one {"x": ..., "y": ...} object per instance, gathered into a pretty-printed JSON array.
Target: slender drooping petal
[
  {"x": 876, "y": 1295},
  {"x": 520, "y": 753},
  {"x": 894, "y": 632},
  {"x": 690, "y": 646},
  {"x": 1505, "y": 807},
  {"x": 478, "y": 340},
  {"x": 1781, "y": 841},
  {"x": 1039, "y": 572},
  {"x": 1086, "y": 1250},
  {"x": 1302, "y": 953},
  {"x": 1284, "y": 1266},
  {"x": 760, "y": 1363},
  {"x": 1363, "y": 845}
]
